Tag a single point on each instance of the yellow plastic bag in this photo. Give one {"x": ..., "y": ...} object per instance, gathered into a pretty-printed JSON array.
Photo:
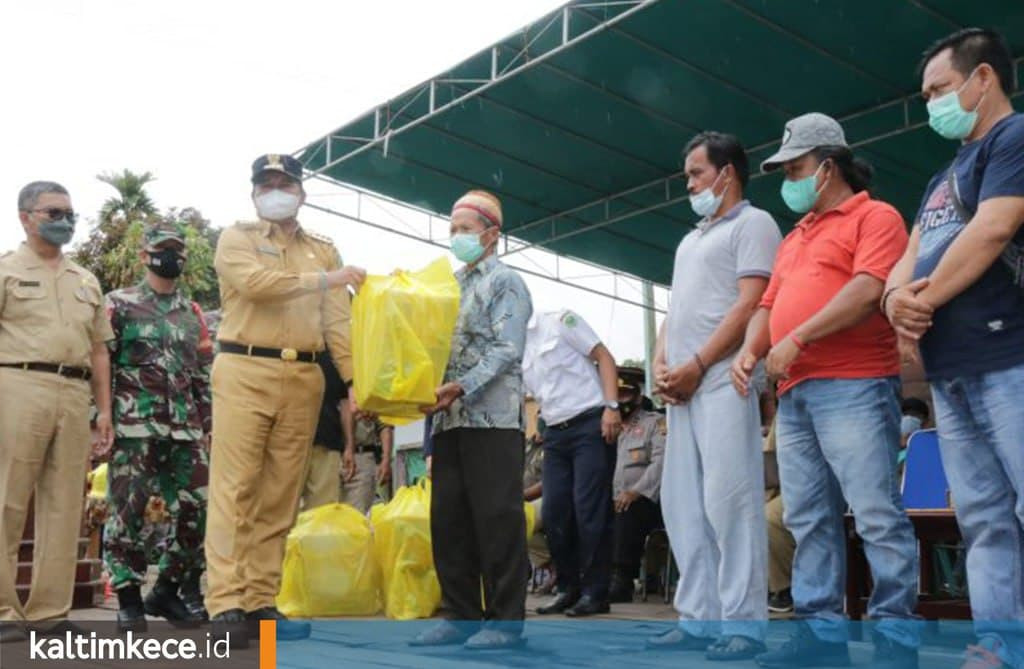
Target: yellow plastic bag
[
  {"x": 98, "y": 482},
  {"x": 329, "y": 566},
  {"x": 402, "y": 545},
  {"x": 402, "y": 329}
]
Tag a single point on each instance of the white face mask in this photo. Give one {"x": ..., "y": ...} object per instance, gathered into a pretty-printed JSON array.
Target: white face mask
[{"x": 277, "y": 205}]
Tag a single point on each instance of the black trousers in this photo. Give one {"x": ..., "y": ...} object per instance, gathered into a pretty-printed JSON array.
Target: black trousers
[
  {"x": 631, "y": 529},
  {"x": 478, "y": 525},
  {"x": 577, "y": 509}
]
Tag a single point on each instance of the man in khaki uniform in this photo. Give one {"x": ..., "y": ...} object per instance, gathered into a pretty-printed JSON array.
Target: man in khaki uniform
[
  {"x": 361, "y": 473},
  {"x": 283, "y": 295},
  {"x": 53, "y": 333}
]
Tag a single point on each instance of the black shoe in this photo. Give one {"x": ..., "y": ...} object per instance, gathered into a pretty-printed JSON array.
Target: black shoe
[
  {"x": 192, "y": 598},
  {"x": 287, "y": 630},
  {"x": 132, "y": 618},
  {"x": 494, "y": 639},
  {"x": 587, "y": 606},
  {"x": 559, "y": 604},
  {"x": 677, "y": 639},
  {"x": 780, "y": 602},
  {"x": 804, "y": 649},
  {"x": 443, "y": 633},
  {"x": 233, "y": 626},
  {"x": 621, "y": 590},
  {"x": 12, "y": 632},
  {"x": 735, "y": 648},
  {"x": 163, "y": 602},
  {"x": 892, "y": 655}
]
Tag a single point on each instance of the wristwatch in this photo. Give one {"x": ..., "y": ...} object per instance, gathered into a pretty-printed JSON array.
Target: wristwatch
[{"x": 613, "y": 405}]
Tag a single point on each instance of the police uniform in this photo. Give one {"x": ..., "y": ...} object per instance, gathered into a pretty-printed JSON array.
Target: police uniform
[
  {"x": 50, "y": 319},
  {"x": 359, "y": 491},
  {"x": 160, "y": 362},
  {"x": 267, "y": 389},
  {"x": 638, "y": 465}
]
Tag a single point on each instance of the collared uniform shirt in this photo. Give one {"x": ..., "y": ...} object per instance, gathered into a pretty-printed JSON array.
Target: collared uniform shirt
[
  {"x": 641, "y": 451},
  {"x": 160, "y": 361},
  {"x": 48, "y": 315},
  {"x": 487, "y": 349},
  {"x": 271, "y": 292},
  {"x": 557, "y": 368}
]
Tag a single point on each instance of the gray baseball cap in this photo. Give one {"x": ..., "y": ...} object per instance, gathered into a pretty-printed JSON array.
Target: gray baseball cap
[{"x": 803, "y": 134}]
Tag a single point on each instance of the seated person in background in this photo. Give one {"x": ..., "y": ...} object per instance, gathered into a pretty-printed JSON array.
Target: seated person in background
[
  {"x": 636, "y": 483},
  {"x": 781, "y": 545},
  {"x": 915, "y": 417},
  {"x": 540, "y": 556}
]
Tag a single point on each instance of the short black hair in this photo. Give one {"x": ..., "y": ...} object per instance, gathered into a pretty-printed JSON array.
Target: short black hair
[
  {"x": 970, "y": 48},
  {"x": 723, "y": 149},
  {"x": 915, "y": 406}
]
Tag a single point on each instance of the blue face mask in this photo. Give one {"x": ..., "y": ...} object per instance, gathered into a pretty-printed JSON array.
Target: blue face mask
[
  {"x": 706, "y": 203},
  {"x": 800, "y": 195},
  {"x": 947, "y": 116},
  {"x": 909, "y": 425},
  {"x": 466, "y": 247}
]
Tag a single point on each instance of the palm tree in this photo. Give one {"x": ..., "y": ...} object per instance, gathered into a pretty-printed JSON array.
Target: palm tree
[{"x": 133, "y": 202}]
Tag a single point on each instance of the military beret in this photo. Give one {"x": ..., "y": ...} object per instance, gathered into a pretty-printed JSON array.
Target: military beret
[{"x": 276, "y": 162}]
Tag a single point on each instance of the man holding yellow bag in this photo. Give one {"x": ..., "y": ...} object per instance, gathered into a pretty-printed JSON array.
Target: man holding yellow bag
[
  {"x": 283, "y": 291},
  {"x": 477, "y": 522}
]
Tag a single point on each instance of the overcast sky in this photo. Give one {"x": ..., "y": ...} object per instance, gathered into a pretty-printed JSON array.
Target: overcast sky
[{"x": 194, "y": 91}]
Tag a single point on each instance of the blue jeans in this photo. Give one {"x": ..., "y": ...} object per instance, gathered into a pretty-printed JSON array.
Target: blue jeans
[
  {"x": 837, "y": 443},
  {"x": 980, "y": 420}
]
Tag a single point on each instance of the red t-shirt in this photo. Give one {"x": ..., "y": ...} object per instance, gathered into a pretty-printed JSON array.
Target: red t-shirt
[{"x": 814, "y": 262}]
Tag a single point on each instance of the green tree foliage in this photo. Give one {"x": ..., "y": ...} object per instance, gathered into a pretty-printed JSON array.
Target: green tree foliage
[{"x": 111, "y": 251}]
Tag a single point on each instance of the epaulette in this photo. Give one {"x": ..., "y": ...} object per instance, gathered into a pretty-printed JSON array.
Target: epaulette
[{"x": 323, "y": 239}]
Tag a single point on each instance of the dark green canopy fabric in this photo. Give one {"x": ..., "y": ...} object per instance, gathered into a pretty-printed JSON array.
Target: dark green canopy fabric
[{"x": 577, "y": 121}]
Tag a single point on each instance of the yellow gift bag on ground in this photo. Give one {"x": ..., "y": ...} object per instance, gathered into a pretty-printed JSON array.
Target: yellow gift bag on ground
[
  {"x": 329, "y": 566},
  {"x": 402, "y": 545},
  {"x": 401, "y": 336}
]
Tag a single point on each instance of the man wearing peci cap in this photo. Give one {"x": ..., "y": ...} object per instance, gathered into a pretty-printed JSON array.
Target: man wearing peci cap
[
  {"x": 283, "y": 296},
  {"x": 53, "y": 334},
  {"x": 834, "y": 358},
  {"x": 160, "y": 359},
  {"x": 477, "y": 523}
]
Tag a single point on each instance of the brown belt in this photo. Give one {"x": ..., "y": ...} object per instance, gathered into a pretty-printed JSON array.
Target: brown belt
[
  {"x": 286, "y": 354},
  {"x": 69, "y": 371}
]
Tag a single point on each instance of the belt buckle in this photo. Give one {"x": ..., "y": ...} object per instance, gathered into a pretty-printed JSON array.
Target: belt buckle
[{"x": 289, "y": 354}]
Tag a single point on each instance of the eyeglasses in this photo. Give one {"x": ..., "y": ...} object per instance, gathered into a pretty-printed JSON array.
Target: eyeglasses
[{"x": 56, "y": 213}]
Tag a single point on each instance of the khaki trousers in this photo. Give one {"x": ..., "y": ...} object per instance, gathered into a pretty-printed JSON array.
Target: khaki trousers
[
  {"x": 44, "y": 449},
  {"x": 264, "y": 417},
  {"x": 781, "y": 547},
  {"x": 359, "y": 492},
  {"x": 322, "y": 478}
]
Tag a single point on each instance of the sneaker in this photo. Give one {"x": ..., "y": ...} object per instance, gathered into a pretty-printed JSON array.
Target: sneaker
[
  {"x": 984, "y": 655},
  {"x": 804, "y": 649},
  {"x": 892, "y": 655},
  {"x": 781, "y": 601}
]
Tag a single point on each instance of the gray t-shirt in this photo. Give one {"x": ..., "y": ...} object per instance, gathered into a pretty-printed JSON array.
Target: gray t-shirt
[{"x": 709, "y": 262}]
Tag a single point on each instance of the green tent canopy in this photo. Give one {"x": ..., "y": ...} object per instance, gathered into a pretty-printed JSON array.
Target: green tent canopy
[{"x": 577, "y": 121}]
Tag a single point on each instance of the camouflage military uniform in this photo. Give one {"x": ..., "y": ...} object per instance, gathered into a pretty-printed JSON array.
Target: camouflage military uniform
[{"x": 159, "y": 466}]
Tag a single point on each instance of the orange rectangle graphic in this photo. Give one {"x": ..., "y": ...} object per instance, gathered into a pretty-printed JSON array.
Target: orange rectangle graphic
[{"x": 268, "y": 644}]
